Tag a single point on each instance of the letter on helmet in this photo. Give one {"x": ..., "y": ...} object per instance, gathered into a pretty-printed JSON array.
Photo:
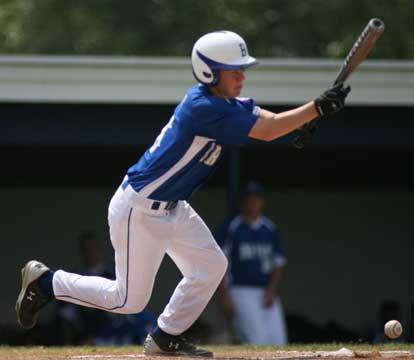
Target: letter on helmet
[{"x": 217, "y": 50}]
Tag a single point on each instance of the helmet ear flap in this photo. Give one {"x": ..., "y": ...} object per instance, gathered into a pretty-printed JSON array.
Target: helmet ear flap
[
  {"x": 203, "y": 72},
  {"x": 216, "y": 77}
]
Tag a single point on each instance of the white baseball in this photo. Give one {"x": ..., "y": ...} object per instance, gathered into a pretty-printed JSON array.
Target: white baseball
[{"x": 393, "y": 329}]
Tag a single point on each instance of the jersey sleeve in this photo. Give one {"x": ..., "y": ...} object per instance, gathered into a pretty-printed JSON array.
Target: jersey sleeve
[{"x": 227, "y": 121}]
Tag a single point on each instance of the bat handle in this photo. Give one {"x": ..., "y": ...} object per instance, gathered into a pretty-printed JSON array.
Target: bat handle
[
  {"x": 306, "y": 131},
  {"x": 305, "y": 135}
]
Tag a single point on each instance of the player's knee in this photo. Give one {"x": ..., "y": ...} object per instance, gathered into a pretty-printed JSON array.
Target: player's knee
[
  {"x": 134, "y": 306},
  {"x": 131, "y": 301},
  {"x": 140, "y": 301},
  {"x": 220, "y": 266},
  {"x": 133, "y": 309},
  {"x": 224, "y": 263}
]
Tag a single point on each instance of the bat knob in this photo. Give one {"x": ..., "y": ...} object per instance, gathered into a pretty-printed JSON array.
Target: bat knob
[{"x": 305, "y": 136}]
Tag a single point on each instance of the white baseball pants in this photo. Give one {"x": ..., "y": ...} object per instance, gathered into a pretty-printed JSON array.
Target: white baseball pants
[
  {"x": 254, "y": 323},
  {"x": 141, "y": 237}
]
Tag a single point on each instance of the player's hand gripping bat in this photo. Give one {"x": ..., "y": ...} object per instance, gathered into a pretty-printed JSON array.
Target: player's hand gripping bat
[{"x": 359, "y": 51}]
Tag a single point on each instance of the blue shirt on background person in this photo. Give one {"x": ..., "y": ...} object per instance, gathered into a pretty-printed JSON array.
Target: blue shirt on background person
[
  {"x": 250, "y": 292},
  {"x": 252, "y": 250}
]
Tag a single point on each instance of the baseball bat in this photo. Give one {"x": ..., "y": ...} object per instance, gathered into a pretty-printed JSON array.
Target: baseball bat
[{"x": 358, "y": 53}]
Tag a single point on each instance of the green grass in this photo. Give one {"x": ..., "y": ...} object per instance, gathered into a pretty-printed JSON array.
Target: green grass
[
  {"x": 72, "y": 350},
  {"x": 85, "y": 350}
]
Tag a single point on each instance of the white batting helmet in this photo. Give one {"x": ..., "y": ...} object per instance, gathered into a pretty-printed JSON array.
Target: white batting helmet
[{"x": 217, "y": 50}]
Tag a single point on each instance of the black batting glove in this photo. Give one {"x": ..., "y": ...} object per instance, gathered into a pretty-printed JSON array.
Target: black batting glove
[{"x": 332, "y": 100}]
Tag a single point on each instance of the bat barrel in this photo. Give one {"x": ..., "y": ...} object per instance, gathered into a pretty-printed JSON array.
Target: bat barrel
[
  {"x": 359, "y": 51},
  {"x": 361, "y": 48}
]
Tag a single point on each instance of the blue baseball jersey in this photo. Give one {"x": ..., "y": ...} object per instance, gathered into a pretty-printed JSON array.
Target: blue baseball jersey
[
  {"x": 191, "y": 144},
  {"x": 253, "y": 250}
]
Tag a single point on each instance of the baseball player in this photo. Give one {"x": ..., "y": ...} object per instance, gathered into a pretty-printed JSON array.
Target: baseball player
[
  {"x": 249, "y": 293},
  {"x": 149, "y": 215}
]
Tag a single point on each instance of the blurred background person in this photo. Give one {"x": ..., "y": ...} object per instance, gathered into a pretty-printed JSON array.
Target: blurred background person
[
  {"x": 82, "y": 325},
  {"x": 249, "y": 292}
]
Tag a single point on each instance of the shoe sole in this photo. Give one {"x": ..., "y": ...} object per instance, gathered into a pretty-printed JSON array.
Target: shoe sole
[
  {"x": 26, "y": 281},
  {"x": 152, "y": 349}
]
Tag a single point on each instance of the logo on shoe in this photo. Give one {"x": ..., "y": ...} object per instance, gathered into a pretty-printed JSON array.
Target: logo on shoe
[
  {"x": 31, "y": 296},
  {"x": 172, "y": 345}
]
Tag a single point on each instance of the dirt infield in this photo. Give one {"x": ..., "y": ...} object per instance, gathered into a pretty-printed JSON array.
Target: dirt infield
[{"x": 341, "y": 354}]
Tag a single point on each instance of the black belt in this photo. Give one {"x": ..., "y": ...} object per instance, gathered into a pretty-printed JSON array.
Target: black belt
[{"x": 156, "y": 205}]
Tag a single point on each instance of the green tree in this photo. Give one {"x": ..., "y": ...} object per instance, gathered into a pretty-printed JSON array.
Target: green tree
[{"x": 272, "y": 28}]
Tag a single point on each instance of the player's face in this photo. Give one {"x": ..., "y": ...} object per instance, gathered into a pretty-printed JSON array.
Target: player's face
[
  {"x": 230, "y": 84},
  {"x": 253, "y": 204}
]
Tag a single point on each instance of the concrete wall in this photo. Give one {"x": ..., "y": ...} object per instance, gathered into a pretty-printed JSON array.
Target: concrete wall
[
  {"x": 347, "y": 250},
  {"x": 161, "y": 80}
]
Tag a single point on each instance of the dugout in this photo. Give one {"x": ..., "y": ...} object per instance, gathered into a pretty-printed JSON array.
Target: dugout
[{"x": 70, "y": 126}]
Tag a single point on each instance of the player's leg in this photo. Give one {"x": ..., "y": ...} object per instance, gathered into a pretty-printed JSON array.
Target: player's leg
[
  {"x": 139, "y": 242},
  {"x": 248, "y": 314},
  {"x": 202, "y": 263},
  {"x": 274, "y": 322}
]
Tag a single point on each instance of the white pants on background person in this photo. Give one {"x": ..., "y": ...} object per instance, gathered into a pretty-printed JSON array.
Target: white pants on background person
[
  {"x": 141, "y": 237},
  {"x": 254, "y": 323}
]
